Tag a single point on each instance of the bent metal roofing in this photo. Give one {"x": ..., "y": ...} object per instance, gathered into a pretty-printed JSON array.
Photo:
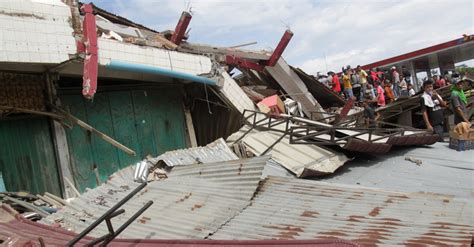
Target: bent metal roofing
[
  {"x": 192, "y": 203},
  {"x": 286, "y": 208}
]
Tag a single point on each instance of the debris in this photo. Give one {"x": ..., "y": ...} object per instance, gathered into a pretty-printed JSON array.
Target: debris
[
  {"x": 293, "y": 108},
  {"x": 71, "y": 185},
  {"x": 274, "y": 103},
  {"x": 416, "y": 161}
]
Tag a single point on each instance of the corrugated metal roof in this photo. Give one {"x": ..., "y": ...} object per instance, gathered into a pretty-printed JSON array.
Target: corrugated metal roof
[
  {"x": 302, "y": 160},
  {"x": 15, "y": 230},
  {"x": 443, "y": 170},
  {"x": 301, "y": 209},
  {"x": 193, "y": 202},
  {"x": 214, "y": 152}
]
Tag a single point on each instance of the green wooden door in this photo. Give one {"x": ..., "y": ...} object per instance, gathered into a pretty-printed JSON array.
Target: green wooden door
[
  {"x": 27, "y": 157},
  {"x": 148, "y": 121}
]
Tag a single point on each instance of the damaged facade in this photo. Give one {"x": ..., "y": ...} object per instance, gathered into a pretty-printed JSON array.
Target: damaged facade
[{"x": 93, "y": 104}]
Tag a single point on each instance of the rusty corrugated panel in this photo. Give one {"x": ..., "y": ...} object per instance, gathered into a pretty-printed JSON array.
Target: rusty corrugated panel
[
  {"x": 214, "y": 152},
  {"x": 193, "y": 202},
  {"x": 443, "y": 171},
  {"x": 22, "y": 91},
  {"x": 301, "y": 209},
  {"x": 366, "y": 147},
  {"x": 412, "y": 140},
  {"x": 18, "y": 231}
]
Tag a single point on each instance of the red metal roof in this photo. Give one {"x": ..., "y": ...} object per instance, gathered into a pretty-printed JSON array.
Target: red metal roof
[{"x": 422, "y": 52}]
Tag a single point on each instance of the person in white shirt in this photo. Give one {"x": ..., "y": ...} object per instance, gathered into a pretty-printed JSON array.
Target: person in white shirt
[{"x": 411, "y": 91}]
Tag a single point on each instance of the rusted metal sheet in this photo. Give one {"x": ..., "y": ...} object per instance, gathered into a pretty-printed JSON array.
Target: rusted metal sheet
[
  {"x": 366, "y": 147},
  {"x": 15, "y": 230},
  {"x": 443, "y": 171},
  {"x": 192, "y": 203},
  {"x": 412, "y": 140},
  {"x": 301, "y": 209},
  {"x": 214, "y": 152}
]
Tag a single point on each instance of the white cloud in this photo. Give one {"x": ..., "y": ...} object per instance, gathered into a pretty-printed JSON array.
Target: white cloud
[{"x": 336, "y": 33}]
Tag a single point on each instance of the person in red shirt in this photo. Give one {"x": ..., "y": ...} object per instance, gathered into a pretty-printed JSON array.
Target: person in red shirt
[
  {"x": 373, "y": 75},
  {"x": 438, "y": 82},
  {"x": 336, "y": 85}
]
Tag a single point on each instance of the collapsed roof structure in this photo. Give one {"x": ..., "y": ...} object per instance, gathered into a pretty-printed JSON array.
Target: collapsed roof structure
[{"x": 155, "y": 97}]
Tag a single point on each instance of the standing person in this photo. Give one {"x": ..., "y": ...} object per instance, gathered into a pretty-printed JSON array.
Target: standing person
[
  {"x": 363, "y": 81},
  {"x": 395, "y": 82},
  {"x": 411, "y": 91},
  {"x": 373, "y": 75},
  {"x": 389, "y": 96},
  {"x": 403, "y": 87},
  {"x": 380, "y": 95},
  {"x": 435, "y": 82},
  {"x": 369, "y": 92},
  {"x": 355, "y": 80},
  {"x": 346, "y": 79},
  {"x": 335, "y": 84},
  {"x": 441, "y": 82},
  {"x": 370, "y": 115},
  {"x": 459, "y": 102},
  {"x": 431, "y": 107}
]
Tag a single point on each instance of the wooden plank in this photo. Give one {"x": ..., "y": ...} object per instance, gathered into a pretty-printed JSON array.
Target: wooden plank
[
  {"x": 98, "y": 133},
  {"x": 190, "y": 127},
  {"x": 64, "y": 160}
]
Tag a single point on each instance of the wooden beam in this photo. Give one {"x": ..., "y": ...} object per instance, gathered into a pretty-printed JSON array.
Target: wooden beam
[
  {"x": 190, "y": 127},
  {"x": 23, "y": 110},
  {"x": 91, "y": 129}
]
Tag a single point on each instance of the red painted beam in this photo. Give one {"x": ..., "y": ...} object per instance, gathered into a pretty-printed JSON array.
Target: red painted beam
[
  {"x": 279, "y": 49},
  {"x": 243, "y": 63},
  {"x": 345, "y": 110},
  {"x": 89, "y": 78},
  {"x": 421, "y": 52},
  {"x": 181, "y": 27}
]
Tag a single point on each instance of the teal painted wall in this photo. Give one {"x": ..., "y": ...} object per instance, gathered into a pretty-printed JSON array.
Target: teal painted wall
[
  {"x": 27, "y": 157},
  {"x": 147, "y": 121}
]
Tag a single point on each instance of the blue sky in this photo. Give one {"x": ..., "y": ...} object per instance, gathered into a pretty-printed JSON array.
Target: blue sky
[{"x": 328, "y": 34}]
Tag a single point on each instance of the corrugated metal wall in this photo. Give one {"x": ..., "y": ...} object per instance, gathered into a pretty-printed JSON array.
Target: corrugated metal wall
[
  {"x": 27, "y": 157},
  {"x": 147, "y": 121}
]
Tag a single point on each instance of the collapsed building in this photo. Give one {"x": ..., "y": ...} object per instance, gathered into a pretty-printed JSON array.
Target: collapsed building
[{"x": 94, "y": 104}]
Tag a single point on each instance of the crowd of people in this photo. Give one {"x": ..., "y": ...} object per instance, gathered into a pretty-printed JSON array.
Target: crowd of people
[
  {"x": 376, "y": 88},
  {"x": 375, "y": 84}
]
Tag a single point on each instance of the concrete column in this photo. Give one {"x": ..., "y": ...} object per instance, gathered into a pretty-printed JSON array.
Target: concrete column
[{"x": 414, "y": 79}]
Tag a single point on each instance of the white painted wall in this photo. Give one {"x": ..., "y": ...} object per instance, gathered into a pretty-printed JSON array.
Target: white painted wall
[
  {"x": 34, "y": 31},
  {"x": 173, "y": 60}
]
